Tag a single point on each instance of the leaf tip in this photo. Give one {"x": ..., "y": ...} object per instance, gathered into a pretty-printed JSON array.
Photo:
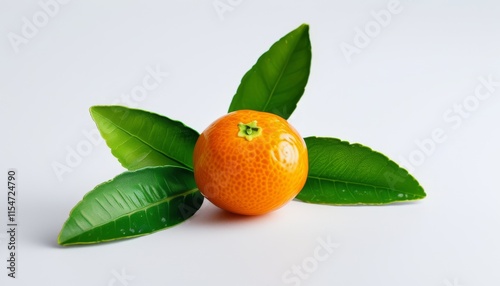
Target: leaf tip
[
  {"x": 60, "y": 241},
  {"x": 423, "y": 195},
  {"x": 302, "y": 30},
  {"x": 96, "y": 109}
]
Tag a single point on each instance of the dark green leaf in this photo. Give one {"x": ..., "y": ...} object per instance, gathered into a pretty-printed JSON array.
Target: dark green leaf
[
  {"x": 140, "y": 139},
  {"x": 343, "y": 174},
  {"x": 278, "y": 79},
  {"x": 134, "y": 203}
]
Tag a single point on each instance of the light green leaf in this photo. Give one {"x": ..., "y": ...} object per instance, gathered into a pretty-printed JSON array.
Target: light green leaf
[
  {"x": 343, "y": 174},
  {"x": 140, "y": 139},
  {"x": 134, "y": 203},
  {"x": 278, "y": 79}
]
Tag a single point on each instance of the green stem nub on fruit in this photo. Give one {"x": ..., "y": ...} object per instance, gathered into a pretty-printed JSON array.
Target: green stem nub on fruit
[{"x": 250, "y": 130}]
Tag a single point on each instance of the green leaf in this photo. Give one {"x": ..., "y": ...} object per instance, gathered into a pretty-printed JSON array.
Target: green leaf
[
  {"x": 344, "y": 174},
  {"x": 278, "y": 79},
  {"x": 134, "y": 203},
  {"x": 140, "y": 139}
]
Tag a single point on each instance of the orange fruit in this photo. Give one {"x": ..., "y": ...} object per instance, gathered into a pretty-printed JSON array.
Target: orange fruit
[{"x": 250, "y": 162}]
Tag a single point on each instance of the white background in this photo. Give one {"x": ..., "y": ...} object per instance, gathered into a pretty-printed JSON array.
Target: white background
[{"x": 400, "y": 87}]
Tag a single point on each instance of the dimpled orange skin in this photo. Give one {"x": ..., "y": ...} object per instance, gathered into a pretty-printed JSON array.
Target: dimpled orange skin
[{"x": 250, "y": 177}]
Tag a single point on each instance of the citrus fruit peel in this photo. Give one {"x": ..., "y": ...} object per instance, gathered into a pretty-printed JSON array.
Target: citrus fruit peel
[{"x": 250, "y": 168}]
